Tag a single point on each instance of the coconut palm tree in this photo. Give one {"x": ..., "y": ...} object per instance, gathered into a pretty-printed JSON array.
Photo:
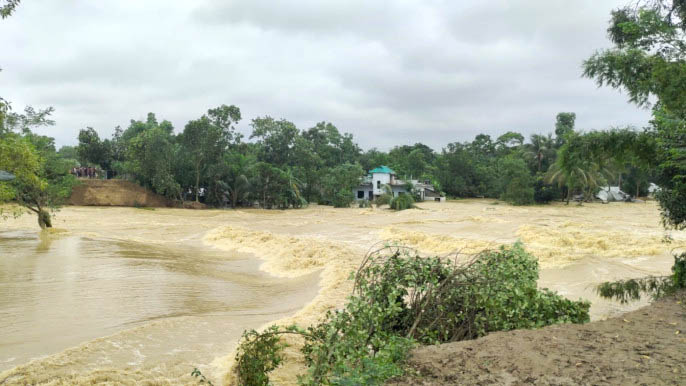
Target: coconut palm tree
[
  {"x": 540, "y": 148},
  {"x": 577, "y": 172}
]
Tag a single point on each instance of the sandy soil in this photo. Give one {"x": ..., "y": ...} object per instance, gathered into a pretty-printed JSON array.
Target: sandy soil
[
  {"x": 577, "y": 247},
  {"x": 114, "y": 193},
  {"x": 644, "y": 347}
]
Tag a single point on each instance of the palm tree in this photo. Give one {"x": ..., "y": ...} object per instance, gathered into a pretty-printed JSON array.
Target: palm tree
[
  {"x": 575, "y": 172},
  {"x": 541, "y": 147},
  {"x": 239, "y": 189}
]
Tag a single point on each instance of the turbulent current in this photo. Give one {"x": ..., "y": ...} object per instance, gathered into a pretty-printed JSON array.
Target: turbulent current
[
  {"x": 131, "y": 296},
  {"x": 78, "y": 305}
]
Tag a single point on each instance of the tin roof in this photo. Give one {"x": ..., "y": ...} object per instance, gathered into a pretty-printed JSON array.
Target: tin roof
[
  {"x": 5, "y": 176},
  {"x": 382, "y": 169}
]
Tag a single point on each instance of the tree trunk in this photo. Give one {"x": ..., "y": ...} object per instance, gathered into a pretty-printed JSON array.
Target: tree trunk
[
  {"x": 44, "y": 220},
  {"x": 197, "y": 185},
  {"x": 540, "y": 157},
  {"x": 569, "y": 195}
]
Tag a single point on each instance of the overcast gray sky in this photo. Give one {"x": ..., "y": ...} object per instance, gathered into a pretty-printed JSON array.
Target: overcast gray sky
[{"x": 390, "y": 72}]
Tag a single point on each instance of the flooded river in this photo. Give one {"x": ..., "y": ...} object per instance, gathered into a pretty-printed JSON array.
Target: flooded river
[
  {"x": 79, "y": 304},
  {"x": 131, "y": 296}
]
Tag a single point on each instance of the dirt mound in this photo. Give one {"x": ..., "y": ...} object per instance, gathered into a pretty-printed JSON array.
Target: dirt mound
[
  {"x": 647, "y": 346},
  {"x": 114, "y": 193}
]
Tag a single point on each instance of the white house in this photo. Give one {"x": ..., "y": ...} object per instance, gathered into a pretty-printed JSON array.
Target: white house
[{"x": 372, "y": 186}]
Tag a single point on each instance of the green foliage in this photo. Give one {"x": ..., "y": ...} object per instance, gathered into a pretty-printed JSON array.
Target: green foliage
[
  {"x": 402, "y": 202},
  {"x": 260, "y": 353},
  {"x": 408, "y": 161},
  {"x": 518, "y": 182},
  {"x": 42, "y": 180},
  {"x": 384, "y": 199},
  {"x": 200, "y": 377},
  {"x": 564, "y": 125},
  {"x": 92, "y": 151},
  {"x": 150, "y": 156},
  {"x": 401, "y": 299},
  {"x": 339, "y": 183},
  {"x": 276, "y": 140},
  {"x": 671, "y": 142},
  {"x": 8, "y": 8},
  {"x": 205, "y": 139},
  {"x": 364, "y": 203},
  {"x": 654, "y": 286}
]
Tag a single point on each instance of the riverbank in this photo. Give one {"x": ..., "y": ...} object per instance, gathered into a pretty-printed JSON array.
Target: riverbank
[
  {"x": 577, "y": 247},
  {"x": 643, "y": 347}
]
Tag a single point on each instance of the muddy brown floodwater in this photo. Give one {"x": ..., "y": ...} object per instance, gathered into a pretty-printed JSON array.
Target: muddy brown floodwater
[
  {"x": 122, "y": 295},
  {"x": 93, "y": 310}
]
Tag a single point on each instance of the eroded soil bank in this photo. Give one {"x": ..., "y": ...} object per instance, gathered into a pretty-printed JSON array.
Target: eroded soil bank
[{"x": 643, "y": 347}]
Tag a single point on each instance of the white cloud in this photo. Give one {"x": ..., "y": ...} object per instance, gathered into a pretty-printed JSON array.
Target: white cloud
[{"x": 389, "y": 72}]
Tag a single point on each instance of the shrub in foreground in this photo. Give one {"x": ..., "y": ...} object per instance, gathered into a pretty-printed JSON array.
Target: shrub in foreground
[{"x": 402, "y": 299}]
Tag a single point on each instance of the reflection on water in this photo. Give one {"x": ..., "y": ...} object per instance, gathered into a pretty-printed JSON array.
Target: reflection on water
[{"x": 150, "y": 303}]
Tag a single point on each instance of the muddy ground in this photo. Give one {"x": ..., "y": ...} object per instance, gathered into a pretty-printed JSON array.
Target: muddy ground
[{"x": 643, "y": 347}]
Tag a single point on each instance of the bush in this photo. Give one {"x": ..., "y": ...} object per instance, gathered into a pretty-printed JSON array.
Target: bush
[
  {"x": 342, "y": 199},
  {"x": 401, "y": 299},
  {"x": 544, "y": 193},
  {"x": 384, "y": 199},
  {"x": 364, "y": 203},
  {"x": 402, "y": 202},
  {"x": 519, "y": 192}
]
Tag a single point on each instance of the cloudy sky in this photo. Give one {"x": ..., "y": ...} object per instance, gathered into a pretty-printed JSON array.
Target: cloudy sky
[{"x": 390, "y": 72}]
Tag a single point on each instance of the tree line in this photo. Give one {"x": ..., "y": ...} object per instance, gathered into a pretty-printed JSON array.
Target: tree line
[{"x": 282, "y": 166}]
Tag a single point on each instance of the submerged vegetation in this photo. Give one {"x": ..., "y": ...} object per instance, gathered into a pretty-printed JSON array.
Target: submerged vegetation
[{"x": 401, "y": 299}]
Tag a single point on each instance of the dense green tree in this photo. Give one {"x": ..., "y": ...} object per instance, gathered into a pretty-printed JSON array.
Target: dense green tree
[
  {"x": 276, "y": 140},
  {"x": 518, "y": 182},
  {"x": 205, "y": 139},
  {"x": 150, "y": 158},
  {"x": 508, "y": 142},
  {"x": 564, "y": 124},
  {"x": 373, "y": 158},
  {"x": 68, "y": 152},
  {"x": 224, "y": 117},
  {"x": 411, "y": 161},
  {"x": 648, "y": 60},
  {"x": 339, "y": 184},
  {"x": 42, "y": 180},
  {"x": 92, "y": 151},
  {"x": 578, "y": 167},
  {"x": 541, "y": 148},
  {"x": 275, "y": 188},
  {"x": 416, "y": 163}
]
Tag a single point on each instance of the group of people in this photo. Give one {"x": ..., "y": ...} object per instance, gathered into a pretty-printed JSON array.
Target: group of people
[{"x": 85, "y": 172}]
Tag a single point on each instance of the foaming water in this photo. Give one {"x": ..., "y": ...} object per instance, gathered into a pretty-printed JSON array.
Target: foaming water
[{"x": 76, "y": 305}]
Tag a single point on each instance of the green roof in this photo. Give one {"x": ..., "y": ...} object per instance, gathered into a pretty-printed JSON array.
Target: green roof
[{"x": 382, "y": 169}]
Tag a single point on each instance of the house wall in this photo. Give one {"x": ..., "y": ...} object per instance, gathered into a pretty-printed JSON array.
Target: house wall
[
  {"x": 397, "y": 189},
  {"x": 378, "y": 181},
  {"x": 365, "y": 190}
]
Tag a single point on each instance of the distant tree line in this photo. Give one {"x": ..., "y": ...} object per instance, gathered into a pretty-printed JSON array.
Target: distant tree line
[{"x": 283, "y": 166}]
